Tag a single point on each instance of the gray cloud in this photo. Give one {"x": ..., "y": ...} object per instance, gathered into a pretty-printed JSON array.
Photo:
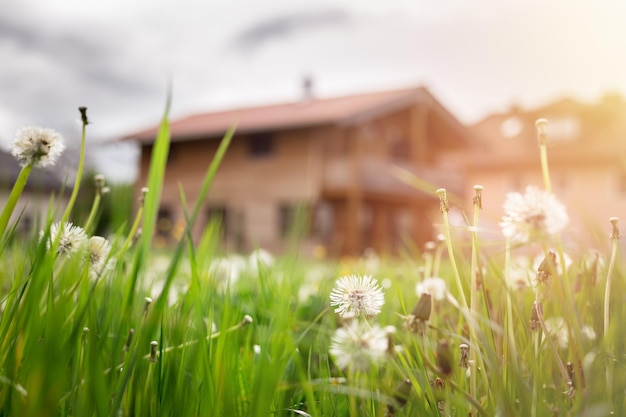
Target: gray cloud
[{"x": 285, "y": 25}]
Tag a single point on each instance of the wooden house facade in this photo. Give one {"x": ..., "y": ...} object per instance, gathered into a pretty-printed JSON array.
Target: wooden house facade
[{"x": 338, "y": 158}]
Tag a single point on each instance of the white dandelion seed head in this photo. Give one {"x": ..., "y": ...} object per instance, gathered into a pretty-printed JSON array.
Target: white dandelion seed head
[
  {"x": 434, "y": 286},
  {"x": 521, "y": 274},
  {"x": 535, "y": 214},
  {"x": 72, "y": 239},
  {"x": 260, "y": 257},
  {"x": 227, "y": 270},
  {"x": 99, "y": 260},
  {"x": 359, "y": 345},
  {"x": 358, "y": 295},
  {"x": 557, "y": 328},
  {"x": 37, "y": 146}
]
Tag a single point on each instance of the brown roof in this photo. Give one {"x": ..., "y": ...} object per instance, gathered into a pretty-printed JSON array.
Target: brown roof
[{"x": 344, "y": 110}]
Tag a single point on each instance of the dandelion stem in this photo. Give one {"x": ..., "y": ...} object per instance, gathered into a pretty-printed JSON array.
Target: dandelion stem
[
  {"x": 543, "y": 153},
  {"x": 559, "y": 362},
  {"x": 16, "y": 192},
  {"x": 92, "y": 213},
  {"x": 542, "y": 137},
  {"x": 446, "y": 224},
  {"x": 510, "y": 350},
  {"x": 474, "y": 288},
  {"x": 79, "y": 171},
  {"x": 536, "y": 337},
  {"x": 615, "y": 235},
  {"x": 133, "y": 230},
  {"x": 246, "y": 320}
]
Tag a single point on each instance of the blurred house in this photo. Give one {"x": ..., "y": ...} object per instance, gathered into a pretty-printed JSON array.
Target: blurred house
[
  {"x": 586, "y": 156},
  {"x": 34, "y": 203},
  {"x": 336, "y": 159}
]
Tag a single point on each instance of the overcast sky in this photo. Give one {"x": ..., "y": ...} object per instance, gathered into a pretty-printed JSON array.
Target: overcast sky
[{"x": 116, "y": 56}]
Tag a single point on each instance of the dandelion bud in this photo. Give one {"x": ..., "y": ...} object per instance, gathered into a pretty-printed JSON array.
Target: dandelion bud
[
  {"x": 534, "y": 316},
  {"x": 546, "y": 267},
  {"x": 148, "y": 301},
  {"x": 423, "y": 308},
  {"x": 401, "y": 395},
  {"x": 430, "y": 246},
  {"x": 542, "y": 131},
  {"x": 153, "y": 350},
  {"x": 85, "y": 332},
  {"x": 576, "y": 375},
  {"x": 478, "y": 196},
  {"x": 390, "y": 330},
  {"x": 464, "y": 361},
  {"x": 444, "y": 358},
  {"x": 129, "y": 339},
  {"x": 438, "y": 385},
  {"x": 99, "y": 180},
  {"x": 615, "y": 234},
  {"x": 443, "y": 200},
  {"x": 83, "y": 115},
  {"x": 144, "y": 193},
  {"x": 247, "y": 319}
]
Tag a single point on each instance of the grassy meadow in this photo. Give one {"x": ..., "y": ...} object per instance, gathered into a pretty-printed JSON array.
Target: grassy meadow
[{"x": 95, "y": 326}]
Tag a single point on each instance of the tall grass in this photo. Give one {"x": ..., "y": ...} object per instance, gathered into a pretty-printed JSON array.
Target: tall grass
[{"x": 167, "y": 333}]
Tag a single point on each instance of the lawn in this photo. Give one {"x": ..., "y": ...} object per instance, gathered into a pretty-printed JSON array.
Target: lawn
[{"x": 95, "y": 326}]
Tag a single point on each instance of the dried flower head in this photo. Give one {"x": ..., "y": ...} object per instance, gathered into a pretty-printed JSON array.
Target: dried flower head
[
  {"x": 359, "y": 295},
  {"x": 535, "y": 214},
  {"x": 615, "y": 234},
  {"x": 444, "y": 358},
  {"x": 464, "y": 359},
  {"x": 37, "y": 146},
  {"x": 71, "y": 239},
  {"x": 359, "y": 345},
  {"x": 443, "y": 200},
  {"x": 535, "y": 313}
]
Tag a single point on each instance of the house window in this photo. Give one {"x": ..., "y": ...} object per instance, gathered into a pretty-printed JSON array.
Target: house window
[
  {"x": 564, "y": 129},
  {"x": 324, "y": 221},
  {"x": 511, "y": 127},
  {"x": 261, "y": 145},
  {"x": 293, "y": 219},
  {"x": 218, "y": 216}
]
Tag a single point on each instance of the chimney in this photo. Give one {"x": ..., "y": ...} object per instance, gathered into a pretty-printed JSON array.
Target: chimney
[{"x": 307, "y": 88}]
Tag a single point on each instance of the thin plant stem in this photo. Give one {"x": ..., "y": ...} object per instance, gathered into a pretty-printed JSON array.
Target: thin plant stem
[
  {"x": 510, "y": 350},
  {"x": 559, "y": 362},
  {"x": 542, "y": 137},
  {"x": 92, "y": 212},
  {"x": 474, "y": 290},
  {"x": 534, "y": 404},
  {"x": 615, "y": 235},
  {"x": 446, "y": 225},
  {"x": 133, "y": 230},
  {"x": 81, "y": 165},
  {"x": 16, "y": 192},
  {"x": 543, "y": 153}
]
